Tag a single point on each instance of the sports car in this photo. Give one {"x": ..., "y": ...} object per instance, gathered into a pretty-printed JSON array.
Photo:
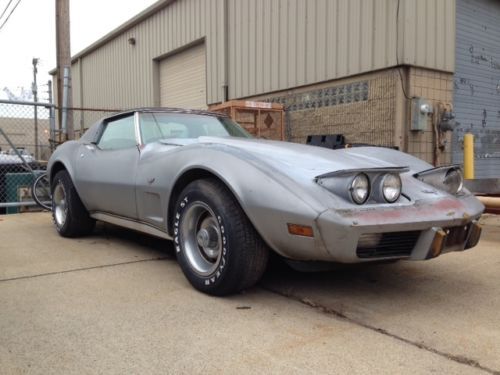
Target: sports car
[{"x": 227, "y": 200}]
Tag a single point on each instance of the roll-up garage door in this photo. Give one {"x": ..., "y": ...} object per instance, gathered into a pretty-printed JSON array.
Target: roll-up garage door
[
  {"x": 183, "y": 79},
  {"x": 477, "y": 83}
]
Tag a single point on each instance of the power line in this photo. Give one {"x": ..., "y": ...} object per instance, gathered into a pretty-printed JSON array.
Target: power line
[
  {"x": 12, "y": 11},
  {"x": 5, "y": 10}
]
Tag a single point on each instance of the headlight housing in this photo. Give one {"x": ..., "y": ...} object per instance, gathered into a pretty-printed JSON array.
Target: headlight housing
[
  {"x": 367, "y": 185},
  {"x": 360, "y": 188},
  {"x": 449, "y": 179},
  {"x": 391, "y": 187},
  {"x": 454, "y": 181}
]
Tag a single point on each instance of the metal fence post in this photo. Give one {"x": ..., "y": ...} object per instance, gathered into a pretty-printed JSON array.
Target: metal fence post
[
  {"x": 67, "y": 116},
  {"x": 35, "y": 99},
  {"x": 52, "y": 119}
]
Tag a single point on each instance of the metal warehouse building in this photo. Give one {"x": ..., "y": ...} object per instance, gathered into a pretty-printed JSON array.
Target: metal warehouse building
[{"x": 361, "y": 68}]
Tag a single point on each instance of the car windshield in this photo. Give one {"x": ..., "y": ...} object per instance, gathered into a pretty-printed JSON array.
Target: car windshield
[{"x": 156, "y": 126}]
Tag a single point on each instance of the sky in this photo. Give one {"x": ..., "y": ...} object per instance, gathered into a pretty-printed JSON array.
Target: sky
[{"x": 30, "y": 32}]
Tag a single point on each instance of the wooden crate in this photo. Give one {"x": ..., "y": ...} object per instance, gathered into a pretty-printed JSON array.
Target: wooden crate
[{"x": 261, "y": 119}]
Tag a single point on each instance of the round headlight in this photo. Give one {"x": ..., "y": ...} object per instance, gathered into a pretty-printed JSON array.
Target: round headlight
[
  {"x": 360, "y": 188},
  {"x": 454, "y": 181},
  {"x": 391, "y": 187}
]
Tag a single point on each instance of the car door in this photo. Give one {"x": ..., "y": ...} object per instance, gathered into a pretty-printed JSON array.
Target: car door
[
  {"x": 152, "y": 181},
  {"x": 106, "y": 170}
]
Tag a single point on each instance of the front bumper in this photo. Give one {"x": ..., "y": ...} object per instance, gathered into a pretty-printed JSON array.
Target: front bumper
[{"x": 421, "y": 231}]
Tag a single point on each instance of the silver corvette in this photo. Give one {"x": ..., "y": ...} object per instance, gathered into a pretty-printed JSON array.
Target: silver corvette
[{"x": 227, "y": 200}]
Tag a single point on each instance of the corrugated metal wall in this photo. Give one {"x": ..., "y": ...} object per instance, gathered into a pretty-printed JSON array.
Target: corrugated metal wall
[
  {"x": 121, "y": 75},
  {"x": 426, "y": 33},
  {"x": 281, "y": 44},
  {"x": 477, "y": 84},
  {"x": 272, "y": 45}
]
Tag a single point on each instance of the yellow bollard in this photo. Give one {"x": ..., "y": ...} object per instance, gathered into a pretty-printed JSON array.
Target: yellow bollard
[{"x": 469, "y": 156}]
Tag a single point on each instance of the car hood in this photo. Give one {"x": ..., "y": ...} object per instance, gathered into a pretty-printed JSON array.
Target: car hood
[{"x": 311, "y": 161}]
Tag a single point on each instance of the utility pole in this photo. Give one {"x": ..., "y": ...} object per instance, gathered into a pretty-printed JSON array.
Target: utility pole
[
  {"x": 64, "y": 69},
  {"x": 34, "y": 89}
]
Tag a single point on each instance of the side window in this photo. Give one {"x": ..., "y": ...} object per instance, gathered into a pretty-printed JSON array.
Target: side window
[
  {"x": 118, "y": 134},
  {"x": 150, "y": 130},
  {"x": 154, "y": 128}
]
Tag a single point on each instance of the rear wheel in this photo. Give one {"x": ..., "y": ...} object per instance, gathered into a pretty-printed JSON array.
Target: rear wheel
[
  {"x": 69, "y": 215},
  {"x": 217, "y": 247}
]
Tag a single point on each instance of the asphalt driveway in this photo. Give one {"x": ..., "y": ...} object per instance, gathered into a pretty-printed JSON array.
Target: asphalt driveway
[{"x": 117, "y": 302}]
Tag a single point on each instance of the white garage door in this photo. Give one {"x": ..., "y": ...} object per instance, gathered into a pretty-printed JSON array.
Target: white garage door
[{"x": 183, "y": 79}]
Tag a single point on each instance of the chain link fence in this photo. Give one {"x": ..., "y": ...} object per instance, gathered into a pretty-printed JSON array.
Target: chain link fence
[
  {"x": 84, "y": 118},
  {"x": 28, "y": 136}
]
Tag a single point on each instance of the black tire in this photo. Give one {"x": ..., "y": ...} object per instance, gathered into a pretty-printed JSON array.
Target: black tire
[
  {"x": 76, "y": 221},
  {"x": 242, "y": 256}
]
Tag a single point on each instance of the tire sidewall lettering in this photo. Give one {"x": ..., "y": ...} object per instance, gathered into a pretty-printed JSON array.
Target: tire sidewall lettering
[{"x": 222, "y": 266}]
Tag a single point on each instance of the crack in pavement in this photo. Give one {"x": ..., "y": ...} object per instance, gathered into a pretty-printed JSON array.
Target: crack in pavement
[
  {"x": 326, "y": 310},
  {"x": 330, "y": 311},
  {"x": 84, "y": 269}
]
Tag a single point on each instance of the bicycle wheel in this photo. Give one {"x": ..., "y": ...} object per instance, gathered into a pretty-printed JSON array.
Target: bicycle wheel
[{"x": 41, "y": 192}]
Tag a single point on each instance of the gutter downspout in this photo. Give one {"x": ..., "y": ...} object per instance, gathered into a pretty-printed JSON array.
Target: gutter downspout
[{"x": 225, "y": 83}]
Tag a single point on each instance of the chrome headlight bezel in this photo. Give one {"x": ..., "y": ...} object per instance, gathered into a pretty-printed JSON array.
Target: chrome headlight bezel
[
  {"x": 360, "y": 183},
  {"x": 342, "y": 184},
  {"x": 391, "y": 181},
  {"x": 442, "y": 178},
  {"x": 454, "y": 180}
]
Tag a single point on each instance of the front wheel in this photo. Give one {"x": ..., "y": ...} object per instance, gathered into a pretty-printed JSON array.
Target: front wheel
[
  {"x": 68, "y": 212},
  {"x": 217, "y": 247}
]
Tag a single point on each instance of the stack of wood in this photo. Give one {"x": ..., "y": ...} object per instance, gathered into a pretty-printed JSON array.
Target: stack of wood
[{"x": 261, "y": 119}]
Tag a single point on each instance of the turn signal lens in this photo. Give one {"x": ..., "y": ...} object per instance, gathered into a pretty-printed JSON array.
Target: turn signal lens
[{"x": 300, "y": 230}]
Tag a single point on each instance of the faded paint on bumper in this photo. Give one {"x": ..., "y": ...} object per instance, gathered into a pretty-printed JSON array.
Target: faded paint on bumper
[{"x": 340, "y": 230}]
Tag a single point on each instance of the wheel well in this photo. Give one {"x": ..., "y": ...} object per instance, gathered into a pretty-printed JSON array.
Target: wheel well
[
  {"x": 180, "y": 184},
  {"x": 58, "y": 166}
]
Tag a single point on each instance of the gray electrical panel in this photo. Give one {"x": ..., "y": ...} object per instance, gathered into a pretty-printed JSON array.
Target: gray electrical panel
[{"x": 421, "y": 109}]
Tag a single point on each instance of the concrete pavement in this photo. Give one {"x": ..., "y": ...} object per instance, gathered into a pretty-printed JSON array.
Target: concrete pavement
[
  {"x": 449, "y": 305},
  {"x": 117, "y": 302}
]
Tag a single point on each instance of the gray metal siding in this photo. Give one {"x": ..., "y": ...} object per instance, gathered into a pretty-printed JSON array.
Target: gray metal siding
[
  {"x": 119, "y": 75},
  {"x": 477, "y": 83},
  {"x": 426, "y": 33},
  {"x": 281, "y": 44},
  {"x": 272, "y": 45}
]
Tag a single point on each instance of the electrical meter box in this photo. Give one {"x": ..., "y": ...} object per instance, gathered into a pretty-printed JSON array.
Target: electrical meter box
[{"x": 421, "y": 110}]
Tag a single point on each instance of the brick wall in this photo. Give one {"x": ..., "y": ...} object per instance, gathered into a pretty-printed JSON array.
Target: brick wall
[
  {"x": 362, "y": 108},
  {"x": 436, "y": 87},
  {"x": 369, "y": 108}
]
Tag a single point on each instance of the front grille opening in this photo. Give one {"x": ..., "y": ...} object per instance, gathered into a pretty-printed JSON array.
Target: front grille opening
[{"x": 387, "y": 245}]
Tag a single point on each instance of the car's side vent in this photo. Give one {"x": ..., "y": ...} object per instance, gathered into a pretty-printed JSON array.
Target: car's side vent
[{"x": 387, "y": 245}]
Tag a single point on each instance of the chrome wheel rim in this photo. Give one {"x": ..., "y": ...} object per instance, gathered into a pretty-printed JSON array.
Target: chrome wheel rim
[
  {"x": 202, "y": 238},
  {"x": 60, "y": 204}
]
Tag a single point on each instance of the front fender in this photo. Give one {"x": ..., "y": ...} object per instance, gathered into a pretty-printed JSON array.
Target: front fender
[
  {"x": 63, "y": 156},
  {"x": 269, "y": 198}
]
